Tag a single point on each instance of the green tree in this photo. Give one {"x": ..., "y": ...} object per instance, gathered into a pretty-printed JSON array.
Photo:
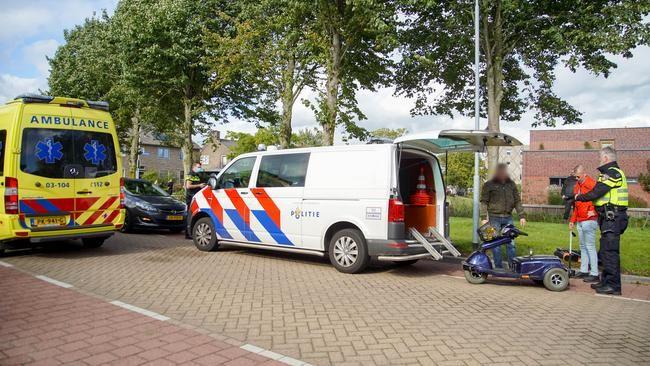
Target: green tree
[
  {"x": 307, "y": 138},
  {"x": 459, "y": 169},
  {"x": 521, "y": 44},
  {"x": 274, "y": 39},
  {"x": 389, "y": 133},
  {"x": 246, "y": 142},
  {"x": 644, "y": 178},
  {"x": 355, "y": 40}
]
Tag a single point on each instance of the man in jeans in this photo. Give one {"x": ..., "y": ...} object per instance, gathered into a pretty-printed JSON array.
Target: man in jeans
[
  {"x": 585, "y": 218},
  {"x": 499, "y": 197}
]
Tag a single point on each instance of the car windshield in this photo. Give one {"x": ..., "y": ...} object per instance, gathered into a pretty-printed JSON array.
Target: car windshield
[{"x": 143, "y": 188}]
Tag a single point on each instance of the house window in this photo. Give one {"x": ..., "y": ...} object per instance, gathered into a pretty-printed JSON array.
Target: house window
[
  {"x": 181, "y": 176},
  {"x": 180, "y": 154},
  {"x": 556, "y": 181},
  {"x": 163, "y": 153},
  {"x": 144, "y": 151},
  {"x": 606, "y": 143},
  {"x": 508, "y": 152},
  {"x": 205, "y": 159},
  {"x": 224, "y": 160},
  {"x": 632, "y": 180}
]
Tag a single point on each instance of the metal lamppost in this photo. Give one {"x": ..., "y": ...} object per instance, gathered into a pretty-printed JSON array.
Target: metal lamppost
[{"x": 476, "y": 188}]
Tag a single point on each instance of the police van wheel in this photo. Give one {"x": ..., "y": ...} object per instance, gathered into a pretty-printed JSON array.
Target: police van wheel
[
  {"x": 92, "y": 242},
  {"x": 348, "y": 251},
  {"x": 204, "y": 235}
]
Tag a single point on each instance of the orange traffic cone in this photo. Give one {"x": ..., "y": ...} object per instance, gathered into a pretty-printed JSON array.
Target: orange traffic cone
[{"x": 421, "y": 197}]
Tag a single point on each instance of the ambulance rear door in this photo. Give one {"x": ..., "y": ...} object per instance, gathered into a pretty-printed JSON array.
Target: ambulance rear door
[
  {"x": 97, "y": 183},
  {"x": 46, "y": 188}
]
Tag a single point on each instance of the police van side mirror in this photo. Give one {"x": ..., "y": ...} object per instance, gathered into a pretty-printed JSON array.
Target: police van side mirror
[{"x": 212, "y": 182}]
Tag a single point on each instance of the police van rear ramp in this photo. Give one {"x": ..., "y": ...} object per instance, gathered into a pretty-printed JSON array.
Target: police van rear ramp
[{"x": 61, "y": 171}]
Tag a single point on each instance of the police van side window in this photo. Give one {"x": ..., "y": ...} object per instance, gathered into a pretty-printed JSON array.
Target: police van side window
[
  {"x": 238, "y": 174},
  {"x": 3, "y": 143},
  {"x": 285, "y": 170}
]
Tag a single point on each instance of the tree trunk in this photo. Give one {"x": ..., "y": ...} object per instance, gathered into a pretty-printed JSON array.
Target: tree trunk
[
  {"x": 187, "y": 136},
  {"x": 135, "y": 143},
  {"x": 494, "y": 62},
  {"x": 332, "y": 87},
  {"x": 287, "y": 103}
]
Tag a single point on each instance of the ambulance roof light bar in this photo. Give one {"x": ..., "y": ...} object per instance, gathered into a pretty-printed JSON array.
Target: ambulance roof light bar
[{"x": 37, "y": 98}]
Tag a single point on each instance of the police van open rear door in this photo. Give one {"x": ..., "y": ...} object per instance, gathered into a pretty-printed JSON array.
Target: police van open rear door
[{"x": 437, "y": 142}]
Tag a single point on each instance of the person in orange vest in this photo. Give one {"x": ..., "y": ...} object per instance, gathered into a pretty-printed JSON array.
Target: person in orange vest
[{"x": 585, "y": 220}]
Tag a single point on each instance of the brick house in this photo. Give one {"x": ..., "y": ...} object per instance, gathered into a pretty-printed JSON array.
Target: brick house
[
  {"x": 513, "y": 157},
  {"x": 159, "y": 156},
  {"x": 214, "y": 153},
  {"x": 554, "y": 153}
]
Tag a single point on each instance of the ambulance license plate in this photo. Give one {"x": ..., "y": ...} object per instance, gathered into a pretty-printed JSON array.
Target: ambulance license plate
[
  {"x": 174, "y": 217},
  {"x": 49, "y": 221}
]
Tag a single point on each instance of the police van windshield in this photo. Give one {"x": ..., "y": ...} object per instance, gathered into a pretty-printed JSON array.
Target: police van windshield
[
  {"x": 143, "y": 188},
  {"x": 57, "y": 153}
]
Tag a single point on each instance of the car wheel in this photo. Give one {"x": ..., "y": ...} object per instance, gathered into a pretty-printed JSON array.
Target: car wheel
[
  {"x": 348, "y": 251},
  {"x": 406, "y": 263},
  {"x": 92, "y": 242},
  {"x": 556, "y": 279},
  {"x": 127, "y": 222},
  {"x": 475, "y": 277},
  {"x": 204, "y": 235}
]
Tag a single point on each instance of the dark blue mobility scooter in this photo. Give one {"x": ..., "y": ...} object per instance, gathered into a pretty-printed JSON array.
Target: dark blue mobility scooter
[{"x": 542, "y": 269}]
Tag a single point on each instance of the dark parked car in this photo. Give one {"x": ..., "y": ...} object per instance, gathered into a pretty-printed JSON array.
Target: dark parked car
[{"x": 149, "y": 206}]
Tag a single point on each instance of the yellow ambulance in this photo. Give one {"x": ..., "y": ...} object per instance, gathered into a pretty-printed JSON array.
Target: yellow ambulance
[{"x": 60, "y": 170}]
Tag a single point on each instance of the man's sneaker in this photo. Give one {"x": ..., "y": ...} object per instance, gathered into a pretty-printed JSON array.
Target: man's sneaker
[
  {"x": 591, "y": 279},
  {"x": 607, "y": 290},
  {"x": 580, "y": 274},
  {"x": 597, "y": 285}
]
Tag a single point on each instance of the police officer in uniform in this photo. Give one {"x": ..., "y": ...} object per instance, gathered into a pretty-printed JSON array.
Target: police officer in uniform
[
  {"x": 610, "y": 198},
  {"x": 192, "y": 185}
]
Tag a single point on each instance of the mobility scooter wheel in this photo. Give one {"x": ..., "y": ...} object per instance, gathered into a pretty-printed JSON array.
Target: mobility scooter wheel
[
  {"x": 474, "y": 277},
  {"x": 556, "y": 279}
]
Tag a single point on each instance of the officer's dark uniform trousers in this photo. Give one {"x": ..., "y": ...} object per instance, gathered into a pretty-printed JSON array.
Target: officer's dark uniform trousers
[{"x": 611, "y": 230}]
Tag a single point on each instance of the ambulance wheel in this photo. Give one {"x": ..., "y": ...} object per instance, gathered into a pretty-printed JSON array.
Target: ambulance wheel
[
  {"x": 348, "y": 251},
  {"x": 204, "y": 235},
  {"x": 92, "y": 242},
  {"x": 475, "y": 277},
  {"x": 556, "y": 279}
]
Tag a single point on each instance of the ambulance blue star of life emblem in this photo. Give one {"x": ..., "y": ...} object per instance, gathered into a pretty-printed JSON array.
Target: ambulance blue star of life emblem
[
  {"x": 49, "y": 150},
  {"x": 94, "y": 152}
]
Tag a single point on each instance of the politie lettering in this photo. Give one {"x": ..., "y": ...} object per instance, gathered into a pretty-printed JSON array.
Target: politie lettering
[{"x": 70, "y": 121}]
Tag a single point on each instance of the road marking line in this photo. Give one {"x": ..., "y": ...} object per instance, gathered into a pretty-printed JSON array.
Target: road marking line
[
  {"x": 142, "y": 311},
  {"x": 5, "y": 264},
  {"x": 53, "y": 281},
  {"x": 622, "y": 298},
  {"x": 273, "y": 355}
]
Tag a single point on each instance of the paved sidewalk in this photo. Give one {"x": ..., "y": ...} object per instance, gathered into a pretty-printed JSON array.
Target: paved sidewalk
[
  {"x": 301, "y": 307},
  {"x": 44, "y": 324}
]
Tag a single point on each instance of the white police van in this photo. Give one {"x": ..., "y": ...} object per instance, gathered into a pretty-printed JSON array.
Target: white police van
[{"x": 349, "y": 202}]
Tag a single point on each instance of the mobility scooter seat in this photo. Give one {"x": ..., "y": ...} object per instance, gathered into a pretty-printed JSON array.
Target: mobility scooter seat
[{"x": 527, "y": 258}]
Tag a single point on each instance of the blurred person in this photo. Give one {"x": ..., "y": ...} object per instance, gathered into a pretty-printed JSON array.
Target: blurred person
[
  {"x": 499, "y": 197},
  {"x": 585, "y": 219},
  {"x": 193, "y": 184}
]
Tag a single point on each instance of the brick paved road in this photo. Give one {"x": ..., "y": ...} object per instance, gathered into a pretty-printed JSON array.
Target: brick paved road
[
  {"x": 43, "y": 324},
  {"x": 303, "y": 308}
]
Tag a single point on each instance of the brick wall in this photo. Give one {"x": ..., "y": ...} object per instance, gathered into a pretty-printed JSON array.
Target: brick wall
[{"x": 564, "y": 149}]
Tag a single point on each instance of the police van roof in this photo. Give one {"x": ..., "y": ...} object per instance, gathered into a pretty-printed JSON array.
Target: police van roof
[{"x": 73, "y": 102}]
